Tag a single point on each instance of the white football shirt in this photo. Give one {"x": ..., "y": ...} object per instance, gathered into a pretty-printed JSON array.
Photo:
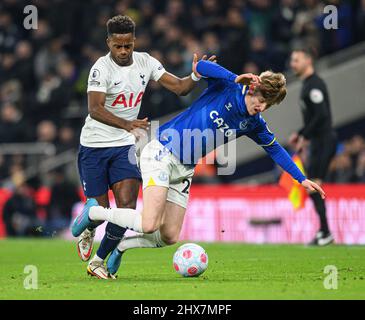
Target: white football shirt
[{"x": 124, "y": 88}]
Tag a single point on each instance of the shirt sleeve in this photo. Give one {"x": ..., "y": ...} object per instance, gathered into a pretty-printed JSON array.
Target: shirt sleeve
[
  {"x": 157, "y": 69},
  {"x": 282, "y": 158},
  {"x": 98, "y": 78},
  {"x": 208, "y": 69},
  {"x": 266, "y": 139},
  {"x": 262, "y": 134}
]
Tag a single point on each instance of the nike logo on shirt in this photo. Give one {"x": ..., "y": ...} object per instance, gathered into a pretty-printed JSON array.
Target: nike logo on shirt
[{"x": 116, "y": 83}]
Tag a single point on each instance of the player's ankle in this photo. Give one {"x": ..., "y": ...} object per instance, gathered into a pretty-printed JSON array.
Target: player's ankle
[
  {"x": 97, "y": 213},
  {"x": 96, "y": 258}
]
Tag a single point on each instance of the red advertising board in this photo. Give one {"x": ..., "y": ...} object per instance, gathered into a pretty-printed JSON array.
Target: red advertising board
[{"x": 263, "y": 214}]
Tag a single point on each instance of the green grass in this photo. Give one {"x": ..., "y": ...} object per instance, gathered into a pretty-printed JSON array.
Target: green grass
[{"x": 236, "y": 271}]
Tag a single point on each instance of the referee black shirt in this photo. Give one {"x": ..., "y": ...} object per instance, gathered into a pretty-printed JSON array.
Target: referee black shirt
[{"x": 315, "y": 106}]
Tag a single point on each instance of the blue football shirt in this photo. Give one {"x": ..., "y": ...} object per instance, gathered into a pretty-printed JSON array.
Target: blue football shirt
[{"x": 217, "y": 116}]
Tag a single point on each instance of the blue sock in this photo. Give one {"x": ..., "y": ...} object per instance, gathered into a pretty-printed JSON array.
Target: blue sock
[{"x": 113, "y": 234}]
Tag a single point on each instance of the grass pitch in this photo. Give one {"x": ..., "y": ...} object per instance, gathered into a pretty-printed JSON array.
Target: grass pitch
[{"x": 236, "y": 271}]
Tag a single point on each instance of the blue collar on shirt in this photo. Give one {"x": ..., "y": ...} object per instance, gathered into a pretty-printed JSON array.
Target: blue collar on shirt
[{"x": 244, "y": 91}]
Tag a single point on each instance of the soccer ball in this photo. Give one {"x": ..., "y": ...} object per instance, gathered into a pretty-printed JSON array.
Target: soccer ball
[{"x": 190, "y": 260}]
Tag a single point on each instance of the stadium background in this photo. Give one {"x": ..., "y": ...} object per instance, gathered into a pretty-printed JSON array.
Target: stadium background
[{"x": 43, "y": 78}]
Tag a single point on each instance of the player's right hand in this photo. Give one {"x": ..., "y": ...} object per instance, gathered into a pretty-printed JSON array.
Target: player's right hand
[{"x": 137, "y": 124}]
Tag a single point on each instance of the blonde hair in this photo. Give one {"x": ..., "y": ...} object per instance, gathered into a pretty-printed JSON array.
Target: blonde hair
[{"x": 272, "y": 87}]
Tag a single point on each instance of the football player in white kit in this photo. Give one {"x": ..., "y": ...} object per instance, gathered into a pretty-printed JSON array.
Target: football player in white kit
[{"x": 116, "y": 84}]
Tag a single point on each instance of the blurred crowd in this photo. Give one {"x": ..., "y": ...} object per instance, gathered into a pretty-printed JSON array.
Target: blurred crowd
[
  {"x": 32, "y": 209},
  {"x": 43, "y": 71},
  {"x": 349, "y": 163}
]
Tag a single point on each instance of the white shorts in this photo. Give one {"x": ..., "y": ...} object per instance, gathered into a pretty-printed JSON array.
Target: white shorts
[{"x": 159, "y": 167}]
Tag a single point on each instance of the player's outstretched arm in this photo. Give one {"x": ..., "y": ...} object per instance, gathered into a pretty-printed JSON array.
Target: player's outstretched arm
[
  {"x": 208, "y": 69},
  {"x": 182, "y": 86},
  {"x": 213, "y": 70},
  {"x": 282, "y": 158},
  {"x": 97, "y": 111}
]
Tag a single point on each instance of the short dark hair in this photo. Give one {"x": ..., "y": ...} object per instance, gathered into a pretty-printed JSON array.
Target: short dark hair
[
  {"x": 309, "y": 51},
  {"x": 120, "y": 25}
]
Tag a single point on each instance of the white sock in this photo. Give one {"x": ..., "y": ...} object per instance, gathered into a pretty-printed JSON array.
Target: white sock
[
  {"x": 124, "y": 217},
  {"x": 146, "y": 240},
  {"x": 96, "y": 258}
]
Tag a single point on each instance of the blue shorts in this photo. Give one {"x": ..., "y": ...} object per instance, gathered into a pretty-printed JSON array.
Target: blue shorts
[{"x": 100, "y": 168}]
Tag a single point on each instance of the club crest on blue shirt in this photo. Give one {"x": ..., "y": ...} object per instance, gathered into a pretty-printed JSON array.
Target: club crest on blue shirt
[{"x": 244, "y": 124}]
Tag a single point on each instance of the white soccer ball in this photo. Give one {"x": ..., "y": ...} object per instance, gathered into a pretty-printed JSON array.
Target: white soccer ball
[{"x": 190, "y": 260}]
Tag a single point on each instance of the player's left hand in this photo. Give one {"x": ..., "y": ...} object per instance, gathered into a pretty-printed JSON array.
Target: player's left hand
[
  {"x": 248, "y": 78},
  {"x": 213, "y": 58},
  {"x": 312, "y": 186}
]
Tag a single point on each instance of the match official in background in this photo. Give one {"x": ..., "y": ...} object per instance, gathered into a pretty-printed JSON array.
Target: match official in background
[{"x": 317, "y": 130}]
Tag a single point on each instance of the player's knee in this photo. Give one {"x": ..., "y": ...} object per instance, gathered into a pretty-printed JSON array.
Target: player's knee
[
  {"x": 127, "y": 203},
  {"x": 170, "y": 238},
  {"x": 150, "y": 226}
]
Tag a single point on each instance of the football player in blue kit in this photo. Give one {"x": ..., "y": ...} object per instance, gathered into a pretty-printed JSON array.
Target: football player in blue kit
[{"x": 230, "y": 107}]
